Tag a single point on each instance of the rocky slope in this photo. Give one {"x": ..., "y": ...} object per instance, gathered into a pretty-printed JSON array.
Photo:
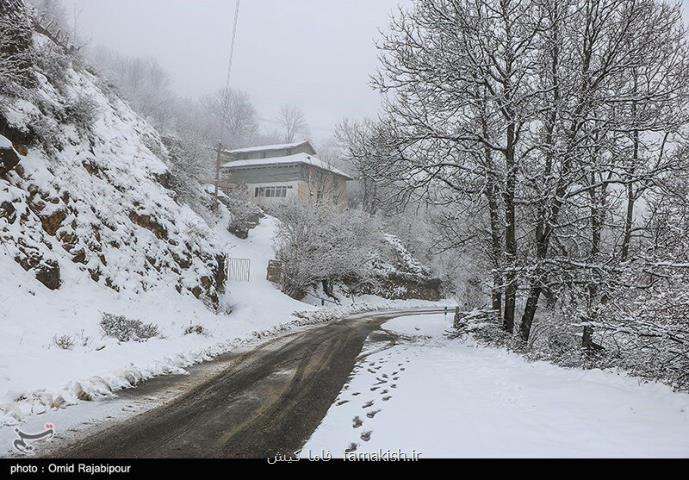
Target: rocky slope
[{"x": 90, "y": 191}]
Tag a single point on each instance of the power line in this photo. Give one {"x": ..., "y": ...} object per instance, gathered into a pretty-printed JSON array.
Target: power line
[
  {"x": 234, "y": 39},
  {"x": 227, "y": 92}
]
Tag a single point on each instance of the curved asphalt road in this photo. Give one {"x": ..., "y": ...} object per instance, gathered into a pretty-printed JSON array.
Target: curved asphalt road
[{"x": 268, "y": 402}]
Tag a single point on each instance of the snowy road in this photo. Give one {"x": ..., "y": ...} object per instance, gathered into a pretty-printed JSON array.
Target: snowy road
[
  {"x": 379, "y": 384},
  {"x": 268, "y": 401}
]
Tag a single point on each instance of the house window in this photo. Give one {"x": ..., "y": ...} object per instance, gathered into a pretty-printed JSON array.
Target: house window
[{"x": 271, "y": 192}]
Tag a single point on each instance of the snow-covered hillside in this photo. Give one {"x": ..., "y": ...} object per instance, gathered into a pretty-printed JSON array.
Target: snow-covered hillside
[
  {"x": 88, "y": 226},
  {"x": 36, "y": 375},
  {"x": 89, "y": 200}
]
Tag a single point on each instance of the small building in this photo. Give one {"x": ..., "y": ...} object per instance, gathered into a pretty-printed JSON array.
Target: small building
[{"x": 279, "y": 174}]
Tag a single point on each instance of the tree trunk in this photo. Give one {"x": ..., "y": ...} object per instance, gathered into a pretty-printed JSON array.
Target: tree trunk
[
  {"x": 597, "y": 212},
  {"x": 529, "y": 313},
  {"x": 493, "y": 210},
  {"x": 510, "y": 233}
]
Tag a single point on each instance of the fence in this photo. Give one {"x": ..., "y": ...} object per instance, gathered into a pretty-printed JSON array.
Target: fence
[{"x": 238, "y": 269}]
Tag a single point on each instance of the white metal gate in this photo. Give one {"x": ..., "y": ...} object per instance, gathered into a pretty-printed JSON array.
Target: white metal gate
[{"x": 238, "y": 269}]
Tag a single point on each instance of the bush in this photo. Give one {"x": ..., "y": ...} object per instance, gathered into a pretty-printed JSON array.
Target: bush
[
  {"x": 54, "y": 64},
  {"x": 82, "y": 112},
  {"x": 45, "y": 131},
  {"x": 196, "y": 329},
  {"x": 16, "y": 50},
  {"x": 245, "y": 214},
  {"x": 319, "y": 243},
  {"x": 65, "y": 342},
  {"x": 125, "y": 329}
]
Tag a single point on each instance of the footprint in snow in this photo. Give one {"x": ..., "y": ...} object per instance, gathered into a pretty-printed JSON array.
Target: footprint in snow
[
  {"x": 354, "y": 394},
  {"x": 373, "y": 389},
  {"x": 385, "y": 399},
  {"x": 385, "y": 375},
  {"x": 368, "y": 404},
  {"x": 366, "y": 436},
  {"x": 342, "y": 402},
  {"x": 357, "y": 422},
  {"x": 394, "y": 385},
  {"x": 372, "y": 413},
  {"x": 383, "y": 392},
  {"x": 351, "y": 448}
]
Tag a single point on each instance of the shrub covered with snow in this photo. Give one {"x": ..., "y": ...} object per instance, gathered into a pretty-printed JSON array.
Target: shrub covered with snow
[
  {"x": 65, "y": 342},
  {"x": 322, "y": 244},
  {"x": 125, "y": 329},
  {"x": 16, "y": 48}
]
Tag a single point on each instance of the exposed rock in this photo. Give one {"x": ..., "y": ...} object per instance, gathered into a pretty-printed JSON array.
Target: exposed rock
[
  {"x": 48, "y": 273},
  {"x": 21, "y": 149},
  {"x": 165, "y": 179},
  {"x": 91, "y": 167},
  {"x": 404, "y": 287},
  {"x": 69, "y": 239},
  {"x": 79, "y": 257},
  {"x": 184, "y": 262},
  {"x": 9, "y": 158},
  {"x": 95, "y": 274},
  {"x": 53, "y": 220},
  {"x": 274, "y": 273},
  {"x": 8, "y": 211},
  {"x": 149, "y": 223}
]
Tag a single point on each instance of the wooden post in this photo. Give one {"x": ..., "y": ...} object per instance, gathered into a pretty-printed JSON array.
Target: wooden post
[{"x": 217, "y": 175}]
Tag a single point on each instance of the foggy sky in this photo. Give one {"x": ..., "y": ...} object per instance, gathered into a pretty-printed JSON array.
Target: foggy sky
[{"x": 316, "y": 54}]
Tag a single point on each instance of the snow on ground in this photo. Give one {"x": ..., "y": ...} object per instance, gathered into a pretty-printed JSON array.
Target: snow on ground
[
  {"x": 36, "y": 375},
  {"x": 452, "y": 398},
  {"x": 5, "y": 144}
]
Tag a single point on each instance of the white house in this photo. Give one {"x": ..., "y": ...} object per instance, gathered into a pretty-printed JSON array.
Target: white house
[{"x": 276, "y": 174}]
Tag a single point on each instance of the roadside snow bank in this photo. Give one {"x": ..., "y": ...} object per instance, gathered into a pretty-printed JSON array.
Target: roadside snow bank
[{"x": 36, "y": 374}]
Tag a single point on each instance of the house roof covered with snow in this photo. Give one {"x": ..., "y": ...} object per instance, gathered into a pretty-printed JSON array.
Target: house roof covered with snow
[
  {"x": 269, "y": 148},
  {"x": 297, "y": 159}
]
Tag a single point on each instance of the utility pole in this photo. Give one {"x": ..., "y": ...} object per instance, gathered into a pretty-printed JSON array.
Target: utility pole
[{"x": 217, "y": 174}]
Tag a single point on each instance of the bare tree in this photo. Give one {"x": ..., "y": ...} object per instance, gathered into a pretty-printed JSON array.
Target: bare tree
[
  {"x": 292, "y": 123},
  {"x": 531, "y": 119},
  {"x": 231, "y": 118}
]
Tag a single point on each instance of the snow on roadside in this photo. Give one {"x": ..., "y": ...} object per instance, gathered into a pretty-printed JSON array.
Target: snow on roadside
[
  {"x": 36, "y": 375},
  {"x": 452, "y": 398}
]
